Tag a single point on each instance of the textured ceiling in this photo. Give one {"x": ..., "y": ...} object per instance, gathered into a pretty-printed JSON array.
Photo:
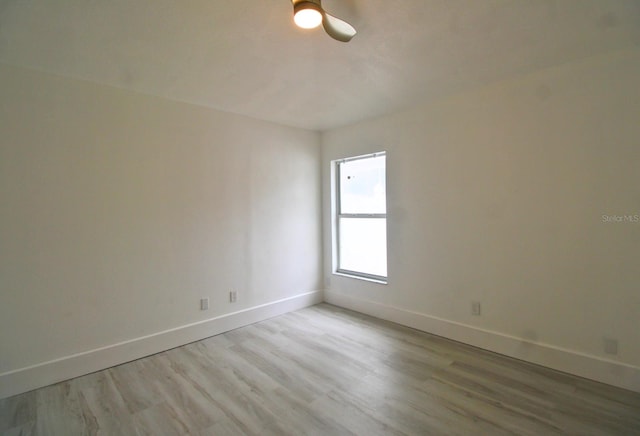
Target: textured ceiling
[{"x": 247, "y": 57}]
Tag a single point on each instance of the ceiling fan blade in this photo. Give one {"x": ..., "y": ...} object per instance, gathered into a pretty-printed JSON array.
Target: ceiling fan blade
[{"x": 336, "y": 28}]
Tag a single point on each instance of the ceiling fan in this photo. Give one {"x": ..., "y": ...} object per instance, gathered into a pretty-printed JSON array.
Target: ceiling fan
[{"x": 308, "y": 14}]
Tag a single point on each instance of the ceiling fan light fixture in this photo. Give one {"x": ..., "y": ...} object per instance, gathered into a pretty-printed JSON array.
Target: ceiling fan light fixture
[{"x": 307, "y": 15}]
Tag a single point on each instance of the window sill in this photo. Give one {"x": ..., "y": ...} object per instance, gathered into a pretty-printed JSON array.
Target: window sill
[{"x": 354, "y": 276}]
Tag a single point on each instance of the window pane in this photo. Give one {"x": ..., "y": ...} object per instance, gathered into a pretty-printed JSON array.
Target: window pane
[
  {"x": 363, "y": 245},
  {"x": 363, "y": 186}
]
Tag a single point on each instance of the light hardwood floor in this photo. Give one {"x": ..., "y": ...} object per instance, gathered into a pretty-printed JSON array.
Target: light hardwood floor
[{"x": 325, "y": 371}]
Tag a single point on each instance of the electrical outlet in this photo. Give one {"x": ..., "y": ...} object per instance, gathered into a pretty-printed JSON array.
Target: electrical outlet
[
  {"x": 475, "y": 308},
  {"x": 233, "y": 296},
  {"x": 204, "y": 304},
  {"x": 610, "y": 346}
]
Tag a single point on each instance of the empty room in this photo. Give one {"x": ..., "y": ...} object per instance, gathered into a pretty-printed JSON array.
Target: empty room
[{"x": 336, "y": 217}]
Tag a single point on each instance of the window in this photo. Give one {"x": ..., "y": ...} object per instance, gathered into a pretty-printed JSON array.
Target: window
[{"x": 361, "y": 217}]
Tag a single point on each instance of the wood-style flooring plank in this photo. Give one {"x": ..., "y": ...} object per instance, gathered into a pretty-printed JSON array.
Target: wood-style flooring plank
[{"x": 324, "y": 370}]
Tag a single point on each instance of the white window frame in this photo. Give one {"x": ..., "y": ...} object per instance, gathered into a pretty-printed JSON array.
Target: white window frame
[{"x": 338, "y": 214}]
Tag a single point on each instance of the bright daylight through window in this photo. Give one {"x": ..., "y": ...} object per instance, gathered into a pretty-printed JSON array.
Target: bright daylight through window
[{"x": 361, "y": 221}]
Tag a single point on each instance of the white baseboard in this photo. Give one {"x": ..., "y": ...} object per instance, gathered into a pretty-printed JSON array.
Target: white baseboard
[
  {"x": 569, "y": 361},
  {"x": 46, "y": 373}
]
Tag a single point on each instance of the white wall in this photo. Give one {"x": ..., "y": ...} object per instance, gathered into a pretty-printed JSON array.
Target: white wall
[
  {"x": 497, "y": 195},
  {"x": 119, "y": 211}
]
